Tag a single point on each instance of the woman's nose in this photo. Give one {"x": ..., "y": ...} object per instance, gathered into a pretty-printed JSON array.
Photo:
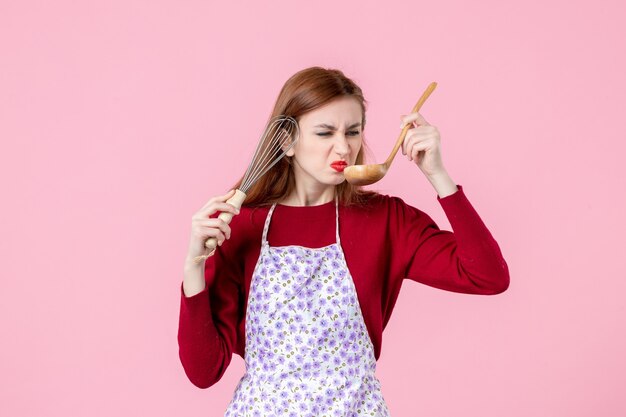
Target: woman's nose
[{"x": 341, "y": 146}]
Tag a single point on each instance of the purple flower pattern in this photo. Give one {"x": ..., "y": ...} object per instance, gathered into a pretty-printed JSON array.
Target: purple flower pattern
[{"x": 307, "y": 352}]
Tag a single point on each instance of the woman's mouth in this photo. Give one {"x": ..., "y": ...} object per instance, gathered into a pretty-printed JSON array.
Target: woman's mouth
[{"x": 339, "y": 166}]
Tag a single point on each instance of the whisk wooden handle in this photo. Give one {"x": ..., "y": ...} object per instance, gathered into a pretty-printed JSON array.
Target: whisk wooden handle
[{"x": 211, "y": 243}]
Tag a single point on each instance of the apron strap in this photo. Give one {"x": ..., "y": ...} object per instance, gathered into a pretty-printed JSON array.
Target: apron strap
[
  {"x": 267, "y": 224},
  {"x": 337, "y": 217}
]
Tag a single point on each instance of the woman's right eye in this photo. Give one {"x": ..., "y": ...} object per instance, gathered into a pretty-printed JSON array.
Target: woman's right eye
[{"x": 323, "y": 134}]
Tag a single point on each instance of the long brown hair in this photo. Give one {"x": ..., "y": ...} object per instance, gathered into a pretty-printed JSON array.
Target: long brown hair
[{"x": 303, "y": 92}]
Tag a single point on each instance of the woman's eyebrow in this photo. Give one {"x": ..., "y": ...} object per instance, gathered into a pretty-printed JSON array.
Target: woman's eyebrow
[{"x": 331, "y": 127}]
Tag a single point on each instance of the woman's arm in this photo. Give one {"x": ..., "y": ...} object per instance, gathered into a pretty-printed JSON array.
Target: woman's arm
[
  {"x": 207, "y": 331},
  {"x": 467, "y": 260}
]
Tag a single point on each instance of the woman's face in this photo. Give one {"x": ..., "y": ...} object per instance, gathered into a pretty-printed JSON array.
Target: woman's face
[{"x": 329, "y": 135}]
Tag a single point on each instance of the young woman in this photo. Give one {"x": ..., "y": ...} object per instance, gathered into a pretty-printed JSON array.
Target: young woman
[{"x": 306, "y": 275}]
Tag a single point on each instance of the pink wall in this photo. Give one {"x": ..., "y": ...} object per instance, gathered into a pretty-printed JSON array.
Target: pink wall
[{"x": 119, "y": 119}]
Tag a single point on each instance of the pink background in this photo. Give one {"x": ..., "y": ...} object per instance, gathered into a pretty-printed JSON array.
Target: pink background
[{"x": 119, "y": 119}]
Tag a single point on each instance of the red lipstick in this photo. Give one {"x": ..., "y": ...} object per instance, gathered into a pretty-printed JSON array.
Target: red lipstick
[{"x": 339, "y": 166}]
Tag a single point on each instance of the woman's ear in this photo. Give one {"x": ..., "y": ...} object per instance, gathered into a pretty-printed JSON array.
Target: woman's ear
[{"x": 288, "y": 145}]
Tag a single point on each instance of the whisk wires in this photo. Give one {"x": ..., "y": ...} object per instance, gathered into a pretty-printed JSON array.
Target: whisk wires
[{"x": 271, "y": 148}]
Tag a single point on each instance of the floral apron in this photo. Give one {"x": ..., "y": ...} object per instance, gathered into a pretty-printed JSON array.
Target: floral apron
[{"x": 308, "y": 352}]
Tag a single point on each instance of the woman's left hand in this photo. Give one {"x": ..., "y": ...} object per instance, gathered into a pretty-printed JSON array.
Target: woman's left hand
[{"x": 422, "y": 144}]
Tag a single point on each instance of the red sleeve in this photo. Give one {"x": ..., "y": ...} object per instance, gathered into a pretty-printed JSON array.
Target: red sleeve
[
  {"x": 207, "y": 330},
  {"x": 467, "y": 260}
]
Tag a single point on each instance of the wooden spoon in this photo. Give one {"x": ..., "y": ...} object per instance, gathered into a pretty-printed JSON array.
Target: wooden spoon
[{"x": 369, "y": 174}]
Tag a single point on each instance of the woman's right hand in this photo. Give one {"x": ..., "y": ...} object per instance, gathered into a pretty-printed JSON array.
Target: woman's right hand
[{"x": 203, "y": 227}]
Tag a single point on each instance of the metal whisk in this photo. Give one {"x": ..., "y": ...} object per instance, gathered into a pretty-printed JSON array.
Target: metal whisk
[{"x": 270, "y": 149}]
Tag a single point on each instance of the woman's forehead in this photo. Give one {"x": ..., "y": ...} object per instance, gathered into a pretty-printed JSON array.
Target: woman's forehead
[{"x": 339, "y": 112}]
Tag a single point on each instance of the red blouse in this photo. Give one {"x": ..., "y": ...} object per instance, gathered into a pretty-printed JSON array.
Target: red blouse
[{"x": 384, "y": 243}]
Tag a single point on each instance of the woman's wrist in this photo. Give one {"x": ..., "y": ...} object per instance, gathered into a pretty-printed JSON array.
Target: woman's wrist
[{"x": 443, "y": 184}]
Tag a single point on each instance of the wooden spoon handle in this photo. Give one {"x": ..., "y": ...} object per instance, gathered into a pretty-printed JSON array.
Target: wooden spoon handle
[{"x": 406, "y": 128}]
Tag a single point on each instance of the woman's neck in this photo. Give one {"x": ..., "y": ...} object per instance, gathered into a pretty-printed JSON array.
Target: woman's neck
[{"x": 302, "y": 197}]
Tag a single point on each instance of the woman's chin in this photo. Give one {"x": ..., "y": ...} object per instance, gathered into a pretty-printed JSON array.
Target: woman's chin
[{"x": 336, "y": 178}]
